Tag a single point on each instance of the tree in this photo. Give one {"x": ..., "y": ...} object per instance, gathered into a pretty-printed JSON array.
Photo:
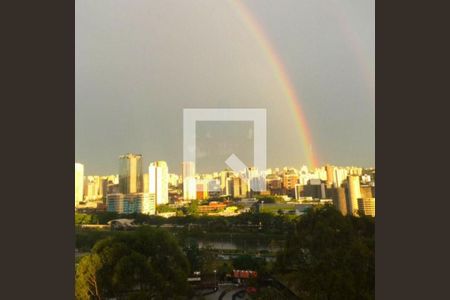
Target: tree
[
  {"x": 330, "y": 256},
  {"x": 146, "y": 264},
  {"x": 87, "y": 279},
  {"x": 193, "y": 208},
  {"x": 247, "y": 262}
]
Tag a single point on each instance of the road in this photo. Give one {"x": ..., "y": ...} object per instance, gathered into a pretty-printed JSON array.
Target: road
[{"x": 225, "y": 292}]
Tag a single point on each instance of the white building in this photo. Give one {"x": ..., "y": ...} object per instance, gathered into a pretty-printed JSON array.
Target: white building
[
  {"x": 79, "y": 183},
  {"x": 189, "y": 181},
  {"x": 174, "y": 179},
  {"x": 256, "y": 180},
  {"x": 159, "y": 181}
]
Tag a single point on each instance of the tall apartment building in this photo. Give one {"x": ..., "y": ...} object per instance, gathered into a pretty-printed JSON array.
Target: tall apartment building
[
  {"x": 290, "y": 180},
  {"x": 79, "y": 183},
  {"x": 189, "y": 181},
  {"x": 237, "y": 187},
  {"x": 366, "y": 206},
  {"x": 159, "y": 181},
  {"x": 339, "y": 199},
  {"x": 354, "y": 193},
  {"x": 330, "y": 175}
]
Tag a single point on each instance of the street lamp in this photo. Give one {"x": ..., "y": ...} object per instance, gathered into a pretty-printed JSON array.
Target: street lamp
[{"x": 215, "y": 280}]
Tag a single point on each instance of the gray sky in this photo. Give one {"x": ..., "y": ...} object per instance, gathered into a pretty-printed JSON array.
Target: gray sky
[{"x": 139, "y": 63}]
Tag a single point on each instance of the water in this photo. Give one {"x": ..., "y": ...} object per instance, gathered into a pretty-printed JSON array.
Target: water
[{"x": 270, "y": 246}]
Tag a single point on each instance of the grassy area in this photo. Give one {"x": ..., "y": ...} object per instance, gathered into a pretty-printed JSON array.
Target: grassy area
[{"x": 274, "y": 208}]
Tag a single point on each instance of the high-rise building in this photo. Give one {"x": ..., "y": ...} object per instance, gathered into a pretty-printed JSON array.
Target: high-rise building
[
  {"x": 330, "y": 175},
  {"x": 340, "y": 175},
  {"x": 224, "y": 175},
  {"x": 339, "y": 199},
  {"x": 290, "y": 180},
  {"x": 159, "y": 181},
  {"x": 237, "y": 187},
  {"x": 366, "y": 206},
  {"x": 189, "y": 181},
  {"x": 127, "y": 195},
  {"x": 79, "y": 183},
  {"x": 354, "y": 193},
  {"x": 130, "y": 173},
  {"x": 145, "y": 183}
]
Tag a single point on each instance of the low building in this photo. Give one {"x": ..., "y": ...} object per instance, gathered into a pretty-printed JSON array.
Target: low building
[
  {"x": 213, "y": 206},
  {"x": 143, "y": 203}
]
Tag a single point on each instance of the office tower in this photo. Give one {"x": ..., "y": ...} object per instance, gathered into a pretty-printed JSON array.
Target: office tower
[
  {"x": 366, "y": 206},
  {"x": 330, "y": 175},
  {"x": 159, "y": 181},
  {"x": 130, "y": 173},
  {"x": 79, "y": 183},
  {"x": 339, "y": 199},
  {"x": 143, "y": 203},
  {"x": 354, "y": 193},
  {"x": 189, "y": 181}
]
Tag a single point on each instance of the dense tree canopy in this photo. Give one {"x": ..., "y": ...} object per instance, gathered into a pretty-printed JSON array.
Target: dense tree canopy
[
  {"x": 145, "y": 264},
  {"x": 330, "y": 256}
]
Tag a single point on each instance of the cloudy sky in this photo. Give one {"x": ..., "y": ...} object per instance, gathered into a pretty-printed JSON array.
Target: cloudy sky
[{"x": 139, "y": 63}]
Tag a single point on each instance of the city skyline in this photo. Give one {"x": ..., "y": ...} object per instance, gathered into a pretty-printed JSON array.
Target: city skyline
[
  {"x": 179, "y": 172},
  {"x": 130, "y": 91},
  {"x": 135, "y": 190}
]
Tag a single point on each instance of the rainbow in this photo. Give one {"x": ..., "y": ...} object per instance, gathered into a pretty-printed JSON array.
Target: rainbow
[{"x": 283, "y": 79}]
